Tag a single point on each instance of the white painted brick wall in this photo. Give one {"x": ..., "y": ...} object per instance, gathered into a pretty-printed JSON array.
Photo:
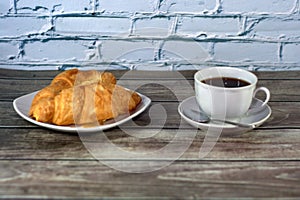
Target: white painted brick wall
[
  {"x": 185, "y": 50},
  {"x": 150, "y": 34},
  {"x": 8, "y": 51},
  {"x": 55, "y": 50},
  {"x": 17, "y": 27},
  {"x": 128, "y": 6},
  {"x": 273, "y": 28},
  {"x": 291, "y": 53},
  {"x": 187, "y": 5},
  {"x": 152, "y": 27},
  {"x": 246, "y": 52},
  {"x": 211, "y": 25},
  {"x": 127, "y": 51},
  {"x": 92, "y": 26},
  {"x": 258, "y": 6},
  {"x": 5, "y": 6},
  {"x": 44, "y": 6}
]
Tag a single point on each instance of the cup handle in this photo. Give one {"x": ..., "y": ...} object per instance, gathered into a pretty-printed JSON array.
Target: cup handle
[{"x": 266, "y": 91}]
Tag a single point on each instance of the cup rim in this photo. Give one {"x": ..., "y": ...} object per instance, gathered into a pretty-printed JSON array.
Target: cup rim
[{"x": 224, "y": 88}]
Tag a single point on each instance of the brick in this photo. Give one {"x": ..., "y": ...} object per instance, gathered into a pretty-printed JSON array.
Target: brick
[
  {"x": 278, "y": 26},
  {"x": 291, "y": 53},
  {"x": 8, "y": 50},
  {"x": 5, "y": 6},
  {"x": 186, "y": 51},
  {"x": 255, "y": 6},
  {"x": 16, "y": 26},
  {"x": 153, "y": 27},
  {"x": 263, "y": 52},
  {"x": 128, "y": 50},
  {"x": 187, "y": 5},
  {"x": 92, "y": 25},
  {"x": 197, "y": 25},
  {"x": 128, "y": 6},
  {"x": 55, "y": 50},
  {"x": 275, "y": 27},
  {"x": 31, "y": 6}
]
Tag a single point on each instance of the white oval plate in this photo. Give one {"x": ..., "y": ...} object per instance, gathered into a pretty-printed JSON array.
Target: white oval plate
[
  {"x": 22, "y": 106},
  {"x": 189, "y": 111}
]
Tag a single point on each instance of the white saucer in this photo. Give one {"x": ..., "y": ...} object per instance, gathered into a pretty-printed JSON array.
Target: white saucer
[
  {"x": 23, "y": 103},
  {"x": 256, "y": 116}
]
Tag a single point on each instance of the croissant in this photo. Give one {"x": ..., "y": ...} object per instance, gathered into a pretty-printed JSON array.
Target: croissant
[{"x": 82, "y": 97}]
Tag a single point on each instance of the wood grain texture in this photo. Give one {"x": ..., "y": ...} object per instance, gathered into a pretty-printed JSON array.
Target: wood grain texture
[
  {"x": 180, "y": 180},
  {"x": 41, "y": 163},
  {"x": 284, "y": 115},
  {"x": 158, "y": 90},
  {"x": 188, "y": 74},
  {"x": 277, "y": 144}
]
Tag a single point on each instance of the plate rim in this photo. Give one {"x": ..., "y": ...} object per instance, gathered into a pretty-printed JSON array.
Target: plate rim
[
  {"x": 227, "y": 126},
  {"x": 146, "y": 101}
]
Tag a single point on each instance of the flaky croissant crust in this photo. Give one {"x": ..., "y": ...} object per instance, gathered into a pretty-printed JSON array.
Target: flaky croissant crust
[{"x": 82, "y": 97}]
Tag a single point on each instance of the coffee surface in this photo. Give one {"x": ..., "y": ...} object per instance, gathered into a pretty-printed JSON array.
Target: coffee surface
[{"x": 227, "y": 82}]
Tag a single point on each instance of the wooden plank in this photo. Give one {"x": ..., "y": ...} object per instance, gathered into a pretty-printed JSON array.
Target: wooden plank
[
  {"x": 189, "y": 74},
  {"x": 181, "y": 180},
  {"x": 275, "y": 144},
  {"x": 285, "y": 90},
  {"x": 157, "y": 90},
  {"x": 39, "y": 163},
  {"x": 12, "y": 89},
  {"x": 42, "y": 144},
  {"x": 284, "y": 115},
  {"x": 26, "y": 74},
  {"x": 38, "y": 74},
  {"x": 124, "y": 74}
]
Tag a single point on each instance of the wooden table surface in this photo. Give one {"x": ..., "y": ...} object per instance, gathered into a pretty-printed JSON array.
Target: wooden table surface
[{"x": 40, "y": 163}]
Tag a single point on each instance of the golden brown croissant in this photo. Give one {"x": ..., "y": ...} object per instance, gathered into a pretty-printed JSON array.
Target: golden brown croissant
[{"x": 82, "y": 97}]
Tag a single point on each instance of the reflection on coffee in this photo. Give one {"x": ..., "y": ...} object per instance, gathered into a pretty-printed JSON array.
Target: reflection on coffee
[{"x": 226, "y": 82}]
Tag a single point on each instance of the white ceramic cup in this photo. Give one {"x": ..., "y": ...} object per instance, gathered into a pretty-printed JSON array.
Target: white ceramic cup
[{"x": 223, "y": 102}]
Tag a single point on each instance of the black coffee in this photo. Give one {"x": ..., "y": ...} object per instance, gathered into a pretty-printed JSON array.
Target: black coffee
[{"x": 226, "y": 82}]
